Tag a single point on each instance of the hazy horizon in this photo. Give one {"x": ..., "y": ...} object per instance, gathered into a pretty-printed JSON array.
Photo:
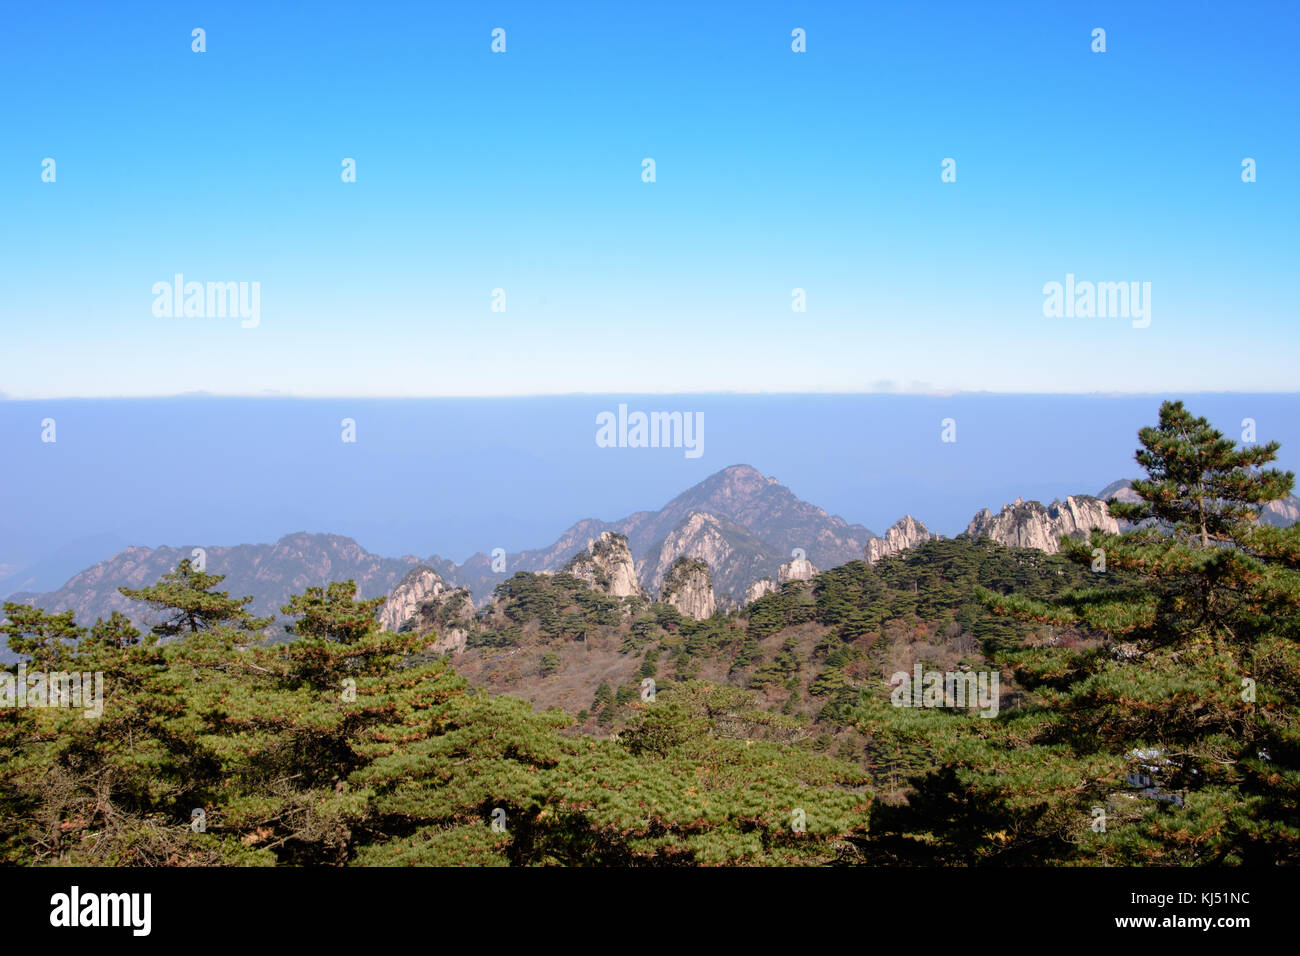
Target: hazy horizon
[{"x": 454, "y": 477}]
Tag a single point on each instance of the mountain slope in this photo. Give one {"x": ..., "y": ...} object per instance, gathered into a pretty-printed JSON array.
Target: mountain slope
[
  {"x": 743, "y": 524},
  {"x": 735, "y": 555},
  {"x": 753, "y": 525},
  {"x": 759, "y": 513},
  {"x": 769, "y": 510},
  {"x": 269, "y": 572}
]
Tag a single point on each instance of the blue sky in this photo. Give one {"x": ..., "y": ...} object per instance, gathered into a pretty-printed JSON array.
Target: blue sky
[{"x": 522, "y": 171}]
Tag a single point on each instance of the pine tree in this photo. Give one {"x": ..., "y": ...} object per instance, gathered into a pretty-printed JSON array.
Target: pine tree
[
  {"x": 116, "y": 632},
  {"x": 1204, "y": 565},
  {"x": 332, "y": 613},
  {"x": 47, "y": 640},
  {"x": 187, "y": 598},
  {"x": 408, "y": 767},
  {"x": 1165, "y": 732},
  {"x": 1199, "y": 482},
  {"x": 1200, "y": 696}
]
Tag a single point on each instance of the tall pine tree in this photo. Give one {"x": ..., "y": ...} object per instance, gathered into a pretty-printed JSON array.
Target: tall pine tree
[
  {"x": 190, "y": 605},
  {"x": 1170, "y": 736}
]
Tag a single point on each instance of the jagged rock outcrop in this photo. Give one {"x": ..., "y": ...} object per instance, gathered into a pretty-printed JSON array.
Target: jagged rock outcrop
[
  {"x": 796, "y": 569},
  {"x": 1030, "y": 524},
  {"x": 607, "y": 566},
  {"x": 762, "y": 520},
  {"x": 451, "y": 640},
  {"x": 903, "y": 534},
  {"x": 423, "y": 602},
  {"x": 418, "y": 585},
  {"x": 688, "y": 586},
  {"x": 767, "y": 510},
  {"x": 719, "y": 542},
  {"x": 1122, "y": 491}
]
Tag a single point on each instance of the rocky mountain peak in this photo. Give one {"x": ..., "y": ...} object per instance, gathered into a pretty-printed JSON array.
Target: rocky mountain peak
[
  {"x": 770, "y": 511},
  {"x": 688, "y": 586},
  {"x": 607, "y": 566},
  {"x": 754, "y": 515},
  {"x": 417, "y": 586},
  {"x": 1120, "y": 491},
  {"x": 760, "y": 588},
  {"x": 1030, "y": 524},
  {"x": 796, "y": 569},
  {"x": 905, "y": 533},
  {"x": 423, "y": 602},
  {"x": 719, "y": 542},
  {"x": 738, "y": 478}
]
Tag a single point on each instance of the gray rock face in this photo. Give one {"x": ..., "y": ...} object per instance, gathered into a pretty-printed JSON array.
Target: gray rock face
[
  {"x": 1122, "y": 491},
  {"x": 1030, "y": 524},
  {"x": 451, "y": 641},
  {"x": 719, "y": 542},
  {"x": 607, "y": 566},
  {"x": 1281, "y": 513},
  {"x": 688, "y": 586},
  {"x": 425, "y": 603},
  {"x": 761, "y": 520},
  {"x": 417, "y": 586},
  {"x": 905, "y": 533},
  {"x": 796, "y": 569},
  {"x": 759, "y": 588}
]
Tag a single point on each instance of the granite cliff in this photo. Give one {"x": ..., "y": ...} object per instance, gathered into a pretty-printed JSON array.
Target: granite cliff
[
  {"x": 1030, "y": 524},
  {"x": 688, "y": 587},
  {"x": 903, "y": 534}
]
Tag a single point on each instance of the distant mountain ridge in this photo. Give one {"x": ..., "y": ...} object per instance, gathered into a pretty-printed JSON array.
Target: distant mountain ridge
[
  {"x": 749, "y": 530},
  {"x": 744, "y": 524},
  {"x": 737, "y": 511},
  {"x": 270, "y": 573}
]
